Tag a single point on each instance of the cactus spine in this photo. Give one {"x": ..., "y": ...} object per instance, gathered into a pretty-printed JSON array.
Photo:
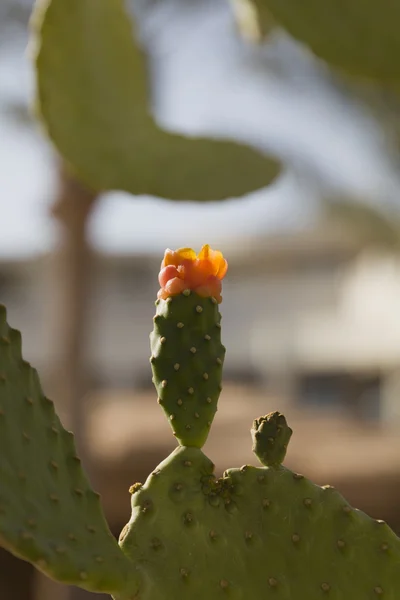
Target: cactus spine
[{"x": 254, "y": 532}]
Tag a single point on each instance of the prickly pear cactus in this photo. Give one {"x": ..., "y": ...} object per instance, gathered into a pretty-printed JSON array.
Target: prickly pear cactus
[
  {"x": 359, "y": 36},
  {"x": 261, "y": 532},
  {"x": 49, "y": 514},
  {"x": 255, "y": 532},
  {"x": 92, "y": 98},
  {"x": 187, "y": 353}
]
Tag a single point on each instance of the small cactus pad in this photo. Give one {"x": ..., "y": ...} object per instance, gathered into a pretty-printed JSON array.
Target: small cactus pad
[
  {"x": 49, "y": 514},
  {"x": 187, "y": 358},
  {"x": 271, "y": 435},
  {"x": 254, "y": 533}
]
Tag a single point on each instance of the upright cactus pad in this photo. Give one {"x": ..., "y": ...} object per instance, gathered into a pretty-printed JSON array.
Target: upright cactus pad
[
  {"x": 187, "y": 358},
  {"x": 187, "y": 353},
  {"x": 49, "y": 514}
]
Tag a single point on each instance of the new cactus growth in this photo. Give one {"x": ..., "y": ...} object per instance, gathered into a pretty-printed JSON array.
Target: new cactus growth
[
  {"x": 256, "y": 532},
  {"x": 187, "y": 353}
]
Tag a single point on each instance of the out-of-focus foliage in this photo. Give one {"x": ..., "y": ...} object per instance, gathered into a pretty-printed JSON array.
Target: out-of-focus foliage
[
  {"x": 365, "y": 222},
  {"x": 360, "y": 37},
  {"x": 92, "y": 97}
]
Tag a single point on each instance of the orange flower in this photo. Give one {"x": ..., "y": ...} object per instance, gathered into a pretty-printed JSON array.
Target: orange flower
[{"x": 184, "y": 270}]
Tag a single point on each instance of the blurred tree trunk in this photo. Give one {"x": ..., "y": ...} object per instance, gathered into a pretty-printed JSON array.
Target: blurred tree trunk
[{"x": 70, "y": 291}]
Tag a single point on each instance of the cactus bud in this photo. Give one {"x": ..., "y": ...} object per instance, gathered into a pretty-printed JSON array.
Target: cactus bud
[{"x": 271, "y": 435}]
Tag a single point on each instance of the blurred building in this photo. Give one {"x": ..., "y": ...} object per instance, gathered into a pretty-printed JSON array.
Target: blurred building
[{"x": 312, "y": 316}]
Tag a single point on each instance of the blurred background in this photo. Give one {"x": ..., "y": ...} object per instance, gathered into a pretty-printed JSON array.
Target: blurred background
[{"x": 310, "y": 312}]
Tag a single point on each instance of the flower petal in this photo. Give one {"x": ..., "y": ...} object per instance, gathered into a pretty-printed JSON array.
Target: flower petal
[
  {"x": 166, "y": 274},
  {"x": 186, "y": 254}
]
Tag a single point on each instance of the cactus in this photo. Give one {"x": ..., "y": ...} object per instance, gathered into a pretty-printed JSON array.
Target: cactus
[
  {"x": 254, "y": 532},
  {"x": 49, "y": 514},
  {"x": 359, "y": 37},
  {"x": 187, "y": 354},
  {"x": 92, "y": 100}
]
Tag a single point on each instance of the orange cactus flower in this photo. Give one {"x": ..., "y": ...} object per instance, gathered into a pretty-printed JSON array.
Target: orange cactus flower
[{"x": 183, "y": 269}]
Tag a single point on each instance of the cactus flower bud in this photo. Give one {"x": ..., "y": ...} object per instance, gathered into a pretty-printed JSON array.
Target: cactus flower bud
[{"x": 183, "y": 269}]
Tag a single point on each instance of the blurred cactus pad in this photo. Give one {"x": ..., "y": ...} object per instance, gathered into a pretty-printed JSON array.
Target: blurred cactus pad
[
  {"x": 256, "y": 532},
  {"x": 92, "y": 98},
  {"x": 360, "y": 37}
]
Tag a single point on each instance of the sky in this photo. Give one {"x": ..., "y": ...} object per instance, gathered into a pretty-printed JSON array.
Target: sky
[{"x": 206, "y": 81}]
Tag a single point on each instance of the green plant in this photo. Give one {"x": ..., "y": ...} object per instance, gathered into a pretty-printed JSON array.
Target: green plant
[
  {"x": 255, "y": 532},
  {"x": 358, "y": 37},
  {"x": 92, "y": 100}
]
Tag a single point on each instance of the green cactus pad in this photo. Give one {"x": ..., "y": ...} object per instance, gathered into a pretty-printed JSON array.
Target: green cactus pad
[
  {"x": 361, "y": 37},
  {"x": 92, "y": 98},
  {"x": 187, "y": 358},
  {"x": 271, "y": 435},
  {"x": 49, "y": 514},
  {"x": 255, "y": 533}
]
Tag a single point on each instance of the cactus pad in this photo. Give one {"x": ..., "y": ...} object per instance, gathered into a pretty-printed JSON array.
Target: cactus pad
[
  {"x": 93, "y": 100},
  {"x": 361, "y": 37},
  {"x": 187, "y": 358},
  {"x": 49, "y": 514},
  {"x": 255, "y": 533}
]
